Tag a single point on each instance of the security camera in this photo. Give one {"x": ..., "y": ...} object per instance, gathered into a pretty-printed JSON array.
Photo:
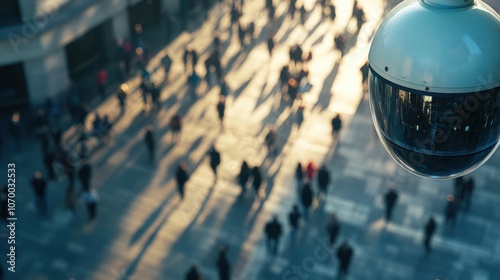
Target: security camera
[{"x": 434, "y": 85}]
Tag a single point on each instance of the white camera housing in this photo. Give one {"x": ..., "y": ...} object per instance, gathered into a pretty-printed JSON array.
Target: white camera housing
[{"x": 435, "y": 85}]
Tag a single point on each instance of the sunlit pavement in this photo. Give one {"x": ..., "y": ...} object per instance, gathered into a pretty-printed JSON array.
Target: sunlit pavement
[{"x": 144, "y": 231}]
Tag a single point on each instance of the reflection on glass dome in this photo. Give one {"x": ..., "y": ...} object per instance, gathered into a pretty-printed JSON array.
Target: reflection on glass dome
[{"x": 435, "y": 135}]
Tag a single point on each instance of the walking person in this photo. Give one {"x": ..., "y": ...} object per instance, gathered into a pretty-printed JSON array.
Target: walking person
[
  {"x": 214, "y": 160},
  {"x": 40, "y": 188},
  {"x": 243, "y": 177},
  {"x": 430, "y": 228},
  {"x": 181, "y": 176},
  {"x": 270, "y": 45},
  {"x": 175, "y": 125},
  {"x": 149, "y": 139},
  {"x": 273, "y": 232},
  {"x": 344, "y": 255},
  {"x": 468, "y": 189},
  {"x": 310, "y": 171},
  {"x": 185, "y": 58},
  {"x": 293, "y": 219},
  {"x": 271, "y": 141},
  {"x": 221, "y": 107},
  {"x": 323, "y": 181},
  {"x": 306, "y": 198},
  {"x": 91, "y": 199},
  {"x": 48, "y": 161},
  {"x": 336, "y": 125},
  {"x": 102, "y": 81},
  {"x": 299, "y": 175},
  {"x": 333, "y": 14},
  {"x": 122, "y": 97},
  {"x": 84, "y": 175},
  {"x": 223, "y": 264},
  {"x": 300, "y": 116},
  {"x": 166, "y": 61},
  {"x": 332, "y": 230},
  {"x": 451, "y": 211},
  {"x": 390, "y": 199},
  {"x": 257, "y": 181}
]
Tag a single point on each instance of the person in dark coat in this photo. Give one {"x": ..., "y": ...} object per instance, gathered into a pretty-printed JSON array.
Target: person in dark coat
[
  {"x": 221, "y": 107},
  {"x": 390, "y": 199},
  {"x": 336, "y": 125},
  {"x": 283, "y": 78},
  {"x": 299, "y": 174},
  {"x": 333, "y": 14},
  {"x": 344, "y": 255},
  {"x": 91, "y": 199},
  {"x": 149, "y": 139},
  {"x": 122, "y": 97},
  {"x": 84, "y": 175},
  {"x": 323, "y": 180},
  {"x": 214, "y": 160},
  {"x": 223, "y": 264},
  {"x": 194, "y": 274},
  {"x": 243, "y": 176},
  {"x": 257, "y": 180},
  {"x": 185, "y": 58},
  {"x": 451, "y": 211},
  {"x": 271, "y": 141},
  {"x": 40, "y": 189},
  {"x": 306, "y": 198},
  {"x": 293, "y": 219},
  {"x": 273, "y": 232},
  {"x": 332, "y": 230},
  {"x": 176, "y": 126},
  {"x": 430, "y": 228},
  {"x": 181, "y": 176},
  {"x": 194, "y": 59}
]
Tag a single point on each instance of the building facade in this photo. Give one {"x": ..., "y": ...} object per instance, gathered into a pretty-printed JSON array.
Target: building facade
[{"x": 44, "y": 44}]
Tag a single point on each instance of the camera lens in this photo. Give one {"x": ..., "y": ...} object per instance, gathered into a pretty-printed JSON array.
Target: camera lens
[{"x": 434, "y": 134}]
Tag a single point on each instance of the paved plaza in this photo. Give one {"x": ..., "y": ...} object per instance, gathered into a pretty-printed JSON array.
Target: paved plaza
[{"x": 143, "y": 230}]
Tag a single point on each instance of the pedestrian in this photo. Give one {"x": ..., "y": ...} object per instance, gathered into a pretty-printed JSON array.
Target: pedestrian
[
  {"x": 293, "y": 89},
  {"x": 270, "y": 44},
  {"x": 185, "y": 58},
  {"x": 294, "y": 218},
  {"x": 106, "y": 126},
  {"x": 193, "y": 274},
  {"x": 84, "y": 175},
  {"x": 224, "y": 88},
  {"x": 214, "y": 160},
  {"x": 194, "y": 59},
  {"x": 56, "y": 134},
  {"x": 243, "y": 176},
  {"x": 300, "y": 116},
  {"x": 340, "y": 42},
  {"x": 14, "y": 129},
  {"x": 468, "y": 189},
  {"x": 336, "y": 125},
  {"x": 193, "y": 81},
  {"x": 306, "y": 197},
  {"x": 223, "y": 264},
  {"x": 149, "y": 139},
  {"x": 221, "y": 107},
  {"x": 451, "y": 211},
  {"x": 40, "y": 188},
  {"x": 181, "y": 176},
  {"x": 299, "y": 175},
  {"x": 344, "y": 255},
  {"x": 91, "y": 199},
  {"x": 430, "y": 228},
  {"x": 155, "y": 96},
  {"x": 102, "y": 81},
  {"x": 122, "y": 97},
  {"x": 176, "y": 126},
  {"x": 257, "y": 180},
  {"x": 283, "y": 78},
  {"x": 323, "y": 180},
  {"x": 390, "y": 199},
  {"x": 166, "y": 61},
  {"x": 303, "y": 14},
  {"x": 332, "y": 230},
  {"x": 241, "y": 34},
  {"x": 271, "y": 141},
  {"x": 310, "y": 171},
  {"x": 145, "y": 90},
  {"x": 273, "y": 232}
]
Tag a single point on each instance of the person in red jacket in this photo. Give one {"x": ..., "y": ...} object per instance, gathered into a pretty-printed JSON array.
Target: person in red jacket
[{"x": 310, "y": 171}]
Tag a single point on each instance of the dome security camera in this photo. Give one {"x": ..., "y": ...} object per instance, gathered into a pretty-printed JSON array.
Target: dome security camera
[{"x": 434, "y": 85}]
